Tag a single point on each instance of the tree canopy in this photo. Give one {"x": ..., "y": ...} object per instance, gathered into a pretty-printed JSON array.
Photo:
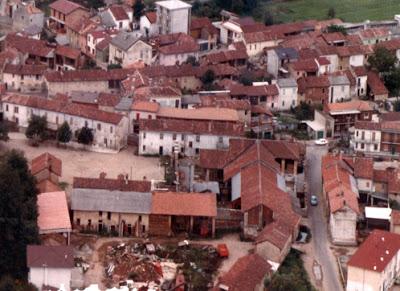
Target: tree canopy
[
  {"x": 37, "y": 128},
  {"x": 382, "y": 60},
  {"x": 138, "y": 9},
  {"x": 64, "y": 133},
  {"x": 85, "y": 135},
  {"x": 337, "y": 28},
  {"x": 18, "y": 213}
]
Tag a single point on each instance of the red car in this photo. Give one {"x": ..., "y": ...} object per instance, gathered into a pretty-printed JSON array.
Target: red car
[{"x": 223, "y": 251}]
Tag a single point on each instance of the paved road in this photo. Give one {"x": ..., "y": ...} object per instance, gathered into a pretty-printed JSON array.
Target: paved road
[{"x": 320, "y": 239}]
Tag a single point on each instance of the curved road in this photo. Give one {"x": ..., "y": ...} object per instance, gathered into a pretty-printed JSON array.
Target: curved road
[{"x": 319, "y": 229}]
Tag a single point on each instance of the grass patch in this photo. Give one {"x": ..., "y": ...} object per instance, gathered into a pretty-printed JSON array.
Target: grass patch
[{"x": 347, "y": 10}]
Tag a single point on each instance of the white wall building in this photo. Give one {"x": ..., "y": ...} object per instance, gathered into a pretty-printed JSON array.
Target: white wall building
[
  {"x": 173, "y": 16},
  {"x": 110, "y": 130},
  {"x": 339, "y": 89},
  {"x": 367, "y": 137},
  {"x": 148, "y": 24},
  {"x": 162, "y": 137},
  {"x": 287, "y": 94},
  {"x": 50, "y": 266}
]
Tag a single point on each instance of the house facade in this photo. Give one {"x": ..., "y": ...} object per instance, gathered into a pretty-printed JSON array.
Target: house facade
[
  {"x": 287, "y": 94},
  {"x": 173, "y": 16},
  {"x": 367, "y": 137}
]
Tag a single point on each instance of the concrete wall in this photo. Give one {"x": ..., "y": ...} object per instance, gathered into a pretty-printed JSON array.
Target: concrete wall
[
  {"x": 271, "y": 252},
  {"x": 145, "y": 23},
  {"x": 339, "y": 93},
  {"x": 66, "y": 87},
  {"x": 365, "y": 185},
  {"x": 50, "y": 276},
  {"x": 172, "y": 59},
  {"x": 367, "y": 143},
  {"x": 173, "y": 21},
  {"x": 272, "y": 63},
  {"x": 356, "y": 60},
  {"x": 115, "y": 220},
  {"x": 257, "y": 48},
  {"x": 139, "y": 51},
  {"x": 150, "y": 142},
  {"x": 287, "y": 98},
  {"x": 343, "y": 227}
]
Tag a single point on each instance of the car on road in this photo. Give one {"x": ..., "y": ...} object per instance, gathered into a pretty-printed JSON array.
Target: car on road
[
  {"x": 314, "y": 200},
  {"x": 321, "y": 141}
]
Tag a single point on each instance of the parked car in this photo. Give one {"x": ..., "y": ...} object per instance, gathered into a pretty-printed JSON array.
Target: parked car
[
  {"x": 314, "y": 200},
  {"x": 321, "y": 141}
]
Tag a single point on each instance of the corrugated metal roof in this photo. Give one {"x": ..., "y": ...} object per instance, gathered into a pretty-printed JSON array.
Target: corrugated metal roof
[{"x": 111, "y": 201}]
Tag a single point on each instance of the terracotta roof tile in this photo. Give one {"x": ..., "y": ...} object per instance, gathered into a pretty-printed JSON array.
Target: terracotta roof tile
[
  {"x": 376, "y": 85},
  {"x": 377, "y": 251},
  {"x": 53, "y": 212},
  {"x": 119, "y": 184},
  {"x": 307, "y": 65},
  {"x": 65, "y": 6},
  {"x": 351, "y": 105},
  {"x": 151, "y": 16},
  {"x": 188, "y": 204},
  {"x": 68, "y": 52},
  {"x": 119, "y": 12},
  {"x": 25, "y": 69},
  {"x": 145, "y": 106},
  {"x": 277, "y": 233},
  {"x": 203, "y": 113},
  {"x": 51, "y": 256},
  {"x": 46, "y": 161},
  {"x": 368, "y": 125},
  {"x": 246, "y": 273},
  {"x": 30, "y": 46}
]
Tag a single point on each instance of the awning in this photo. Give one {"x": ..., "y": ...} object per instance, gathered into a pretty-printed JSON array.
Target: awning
[
  {"x": 378, "y": 212},
  {"x": 315, "y": 125}
]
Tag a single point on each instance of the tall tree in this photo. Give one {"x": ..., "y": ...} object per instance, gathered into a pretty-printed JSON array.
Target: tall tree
[
  {"x": 382, "y": 60},
  {"x": 64, "y": 133},
  {"x": 85, "y": 135},
  {"x": 37, "y": 127},
  {"x": 138, "y": 9},
  {"x": 331, "y": 12},
  {"x": 392, "y": 82},
  {"x": 337, "y": 28},
  {"x": 18, "y": 213}
]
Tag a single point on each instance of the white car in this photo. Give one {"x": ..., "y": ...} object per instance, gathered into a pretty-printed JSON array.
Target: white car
[{"x": 321, "y": 141}]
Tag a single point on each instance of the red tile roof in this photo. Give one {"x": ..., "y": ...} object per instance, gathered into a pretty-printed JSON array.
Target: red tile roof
[
  {"x": 186, "y": 204},
  {"x": 148, "y": 92},
  {"x": 151, "y": 16},
  {"x": 51, "y": 256},
  {"x": 193, "y": 126},
  {"x": 360, "y": 71},
  {"x": 375, "y": 84},
  {"x": 377, "y": 251},
  {"x": 337, "y": 184},
  {"x": 119, "y": 12},
  {"x": 224, "y": 101},
  {"x": 351, "y": 105},
  {"x": 203, "y": 23},
  {"x": 176, "y": 43},
  {"x": 30, "y": 46},
  {"x": 86, "y": 75},
  {"x": 145, "y": 106},
  {"x": 246, "y": 274},
  {"x": 264, "y": 90},
  {"x": 91, "y": 113},
  {"x": 65, "y": 6},
  {"x": 203, "y": 113},
  {"x": 108, "y": 99},
  {"x": 68, "y": 52},
  {"x": 46, "y": 161},
  {"x": 374, "y": 33},
  {"x": 368, "y": 125},
  {"x": 277, "y": 233},
  {"x": 119, "y": 184},
  {"x": 308, "y": 65},
  {"x": 53, "y": 212},
  {"x": 226, "y": 56},
  {"x": 24, "y": 69}
]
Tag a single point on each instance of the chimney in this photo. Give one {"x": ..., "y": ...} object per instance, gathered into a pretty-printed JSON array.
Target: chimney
[{"x": 102, "y": 175}]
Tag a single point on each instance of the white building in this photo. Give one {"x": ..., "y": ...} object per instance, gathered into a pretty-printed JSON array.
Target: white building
[
  {"x": 93, "y": 38},
  {"x": 367, "y": 137},
  {"x": 109, "y": 129},
  {"x": 376, "y": 263},
  {"x": 164, "y": 136},
  {"x": 24, "y": 78},
  {"x": 173, "y": 16},
  {"x": 50, "y": 266},
  {"x": 148, "y": 24},
  {"x": 339, "y": 89},
  {"x": 127, "y": 48},
  {"x": 361, "y": 81},
  {"x": 117, "y": 16},
  {"x": 287, "y": 94}
]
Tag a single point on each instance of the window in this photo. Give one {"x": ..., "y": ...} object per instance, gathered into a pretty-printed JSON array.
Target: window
[
  {"x": 362, "y": 134},
  {"x": 56, "y": 119},
  {"x": 100, "y": 213},
  {"x": 144, "y": 148},
  {"x": 137, "y": 116},
  {"x": 182, "y": 137},
  {"x": 375, "y": 147},
  {"x": 197, "y": 151},
  {"x": 144, "y": 135},
  {"x": 362, "y": 146},
  {"x": 6, "y": 107},
  {"x": 161, "y": 136},
  {"x": 86, "y": 123},
  {"x": 22, "y": 77},
  {"x": 356, "y": 133},
  {"x": 150, "y": 117},
  {"x": 71, "y": 120},
  {"x": 220, "y": 139},
  {"x": 89, "y": 222},
  {"x": 197, "y": 138},
  {"x": 98, "y": 126},
  {"x": 174, "y": 136},
  {"x": 367, "y": 184},
  {"x": 373, "y": 136},
  {"x": 111, "y": 129},
  {"x": 78, "y": 221},
  {"x": 16, "y": 109},
  {"x": 37, "y": 77},
  {"x": 283, "y": 103},
  {"x": 190, "y": 144},
  {"x": 109, "y": 215}
]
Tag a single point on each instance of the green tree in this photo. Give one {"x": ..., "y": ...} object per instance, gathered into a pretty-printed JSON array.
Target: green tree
[
  {"x": 396, "y": 107},
  {"x": 268, "y": 18},
  {"x": 37, "y": 128},
  {"x": 208, "y": 77},
  {"x": 4, "y": 131},
  {"x": 114, "y": 66},
  {"x": 18, "y": 213},
  {"x": 392, "y": 81},
  {"x": 138, "y": 9},
  {"x": 331, "y": 12},
  {"x": 382, "y": 60},
  {"x": 337, "y": 28},
  {"x": 64, "y": 133},
  {"x": 85, "y": 135},
  {"x": 303, "y": 111},
  {"x": 191, "y": 60}
]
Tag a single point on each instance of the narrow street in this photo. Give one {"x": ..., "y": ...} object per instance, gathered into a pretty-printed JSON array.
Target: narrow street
[{"x": 320, "y": 238}]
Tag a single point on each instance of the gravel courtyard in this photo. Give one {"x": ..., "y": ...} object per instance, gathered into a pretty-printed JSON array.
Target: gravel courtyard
[{"x": 90, "y": 164}]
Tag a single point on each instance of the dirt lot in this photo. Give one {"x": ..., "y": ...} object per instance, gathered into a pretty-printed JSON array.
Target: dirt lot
[{"x": 90, "y": 164}]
